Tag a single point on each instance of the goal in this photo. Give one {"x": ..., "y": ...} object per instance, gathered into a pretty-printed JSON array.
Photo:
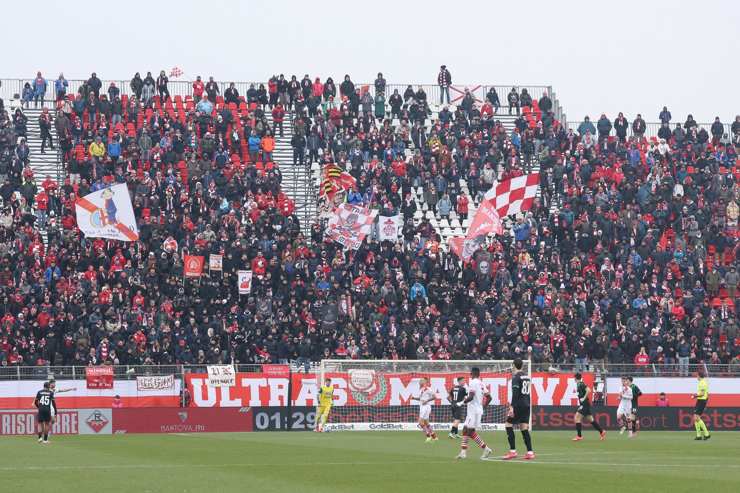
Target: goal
[{"x": 376, "y": 394}]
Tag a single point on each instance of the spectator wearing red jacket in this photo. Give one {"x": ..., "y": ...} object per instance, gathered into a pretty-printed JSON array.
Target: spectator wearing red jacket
[{"x": 278, "y": 114}]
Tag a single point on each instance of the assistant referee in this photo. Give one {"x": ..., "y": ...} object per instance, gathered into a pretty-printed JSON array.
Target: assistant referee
[{"x": 702, "y": 396}]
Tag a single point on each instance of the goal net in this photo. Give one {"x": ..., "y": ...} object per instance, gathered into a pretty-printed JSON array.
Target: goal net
[{"x": 376, "y": 394}]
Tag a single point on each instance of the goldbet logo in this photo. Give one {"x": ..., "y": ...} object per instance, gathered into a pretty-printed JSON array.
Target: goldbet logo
[{"x": 96, "y": 421}]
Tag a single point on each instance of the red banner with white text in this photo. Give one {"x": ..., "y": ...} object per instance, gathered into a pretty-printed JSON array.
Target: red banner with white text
[
  {"x": 389, "y": 389},
  {"x": 99, "y": 377}
]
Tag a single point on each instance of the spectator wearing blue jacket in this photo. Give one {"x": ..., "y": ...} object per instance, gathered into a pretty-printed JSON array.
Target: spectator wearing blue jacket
[
  {"x": 60, "y": 87},
  {"x": 27, "y": 95},
  {"x": 354, "y": 197},
  {"x": 39, "y": 90},
  {"x": 516, "y": 139},
  {"x": 521, "y": 231},
  {"x": 52, "y": 273},
  {"x": 586, "y": 126},
  {"x": 444, "y": 206},
  {"x": 418, "y": 291},
  {"x": 254, "y": 142},
  {"x": 114, "y": 149},
  {"x": 204, "y": 106}
]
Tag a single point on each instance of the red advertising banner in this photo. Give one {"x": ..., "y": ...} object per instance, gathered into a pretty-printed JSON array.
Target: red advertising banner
[
  {"x": 24, "y": 423},
  {"x": 276, "y": 370},
  {"x": 99, "y": 377},
  {"x": 182, "y": 420},
  {"x": 388, "y": 389}
]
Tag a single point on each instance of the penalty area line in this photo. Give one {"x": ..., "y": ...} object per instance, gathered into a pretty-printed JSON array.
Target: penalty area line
[{"x": 608, "y": 464}]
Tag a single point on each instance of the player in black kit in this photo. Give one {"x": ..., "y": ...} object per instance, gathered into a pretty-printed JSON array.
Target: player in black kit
[
  {"x": 44, "y": 402},
  {"x": 457, "y": 396},
  {"x": 583, "y": 413},
  {"x": 519, "y": 411}
]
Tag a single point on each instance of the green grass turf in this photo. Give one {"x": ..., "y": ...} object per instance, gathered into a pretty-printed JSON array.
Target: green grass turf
[{"x": 367, "y": 462}]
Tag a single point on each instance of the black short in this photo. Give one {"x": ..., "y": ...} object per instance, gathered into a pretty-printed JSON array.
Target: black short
[
  {"x": 521, "y": 415},
  {"x": 634, "y": 411},
  {"x": 700, "y": 406},
  {"x": 458, "y": 413},
  {"x": 44, "y": 415},
  {"x": 584, "y": 409}
]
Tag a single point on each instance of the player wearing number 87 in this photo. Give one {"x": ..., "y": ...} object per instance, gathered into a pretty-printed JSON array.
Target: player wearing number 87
[
  {"x": 426, "y": 397},
  {"x": 326, "y": 399},
  {"x": 477, "y": 398},
  {"x": 519, "y": 411}
]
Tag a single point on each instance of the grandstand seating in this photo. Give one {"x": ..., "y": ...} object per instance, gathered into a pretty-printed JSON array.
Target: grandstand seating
[{"x": 628, "y": 236}]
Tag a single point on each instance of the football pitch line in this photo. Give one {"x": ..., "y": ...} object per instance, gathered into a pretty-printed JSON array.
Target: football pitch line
[
  {"x": 244, "y": 464},
  {"x": 355, "y": 463}
]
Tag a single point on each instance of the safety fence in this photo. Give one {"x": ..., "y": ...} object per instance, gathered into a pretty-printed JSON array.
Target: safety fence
[
  {"x": 13, "y": 88},
  {"x": 131, "y": 372},
  {"x": 214, "y": 398},
  {"x": 652, "y": 128}
]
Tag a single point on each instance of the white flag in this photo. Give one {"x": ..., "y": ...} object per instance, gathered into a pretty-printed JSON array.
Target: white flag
[
  {"x": 389, "y": 227},
  {"x": 107, "y": 213},
  {"x": 215, "y": 262},
  {"x": 221, "y": 375},
  {"x": 244, "y": 280}
]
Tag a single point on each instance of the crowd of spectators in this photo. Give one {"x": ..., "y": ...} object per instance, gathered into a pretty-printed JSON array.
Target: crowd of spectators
[{"x": 630, "y": 255}]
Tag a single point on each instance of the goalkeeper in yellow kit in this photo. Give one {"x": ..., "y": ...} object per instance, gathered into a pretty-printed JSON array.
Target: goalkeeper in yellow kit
[{"x": 326, "y": 399}]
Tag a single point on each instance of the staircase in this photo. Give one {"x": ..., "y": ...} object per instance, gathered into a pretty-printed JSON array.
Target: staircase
[
  {"x": 297, "y": 183},
  {"x": 43, "y": 165}
]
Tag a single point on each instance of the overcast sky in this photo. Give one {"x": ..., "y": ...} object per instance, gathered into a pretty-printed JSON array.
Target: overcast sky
[{"x": 630, "y": 56}]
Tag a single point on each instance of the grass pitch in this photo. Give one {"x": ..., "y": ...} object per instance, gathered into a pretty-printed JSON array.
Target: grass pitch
[{"x": 385, "y": 462}]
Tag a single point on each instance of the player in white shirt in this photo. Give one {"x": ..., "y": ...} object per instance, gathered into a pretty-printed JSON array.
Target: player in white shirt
[
  {"x": 426, "y": 398},
  {"x": 624, "y": 411},
  {"x": 478, "y": 397}
]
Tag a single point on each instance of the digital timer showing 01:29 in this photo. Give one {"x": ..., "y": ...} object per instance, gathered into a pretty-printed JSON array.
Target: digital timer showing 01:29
[{"x": 284, "y": 419}]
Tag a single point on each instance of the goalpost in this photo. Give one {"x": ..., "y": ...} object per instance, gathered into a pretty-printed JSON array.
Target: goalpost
[{"x": 376, "y": 394}]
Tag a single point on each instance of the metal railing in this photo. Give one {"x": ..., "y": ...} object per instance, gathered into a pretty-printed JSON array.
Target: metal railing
[
  {"x": 653, "y": 127},
  {"x": 10, "y": 87},
  {"x": 651, "y": 370},
  {"x": 130, "y": 372}
]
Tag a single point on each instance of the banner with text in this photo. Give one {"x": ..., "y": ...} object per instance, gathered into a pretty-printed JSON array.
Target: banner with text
[
  {"x": 68, "y": 422},
  {"x": 99, "y": 377},
  {"x": 370, "y": 388},
  {"x": 221, "y": 376},
  {"x": 650, "y": 418},
  {"x": 155, "y": 382},
  {"x": 19, "y": 394}
]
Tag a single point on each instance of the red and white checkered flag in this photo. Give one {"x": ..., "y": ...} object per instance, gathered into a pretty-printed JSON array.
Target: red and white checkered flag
[
  {"x": 176, "y": 72},
  {"x": 350, "y": 224},
  {"x": 515, "y": 195}
]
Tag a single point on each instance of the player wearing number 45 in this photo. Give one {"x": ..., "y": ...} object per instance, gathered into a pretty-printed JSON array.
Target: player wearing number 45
[
  {"x": 44, "y": 402},
  {"x": 426, "y": 397},
  {"x": 326, "y": 399}
]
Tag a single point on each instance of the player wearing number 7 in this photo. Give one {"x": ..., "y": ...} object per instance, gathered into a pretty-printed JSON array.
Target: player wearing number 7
[{"x": 326, "y": 399}]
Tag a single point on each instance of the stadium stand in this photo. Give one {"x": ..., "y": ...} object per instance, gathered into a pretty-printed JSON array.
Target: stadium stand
[{"x": 631, "y": 245}]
